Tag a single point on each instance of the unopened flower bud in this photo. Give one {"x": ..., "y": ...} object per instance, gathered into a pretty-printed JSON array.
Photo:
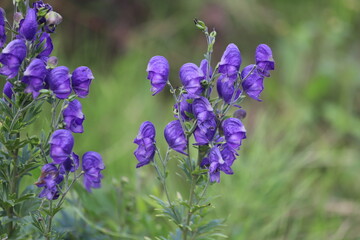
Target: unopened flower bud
[
  {"x": 52, "y": 62},
  {"x": 240, "y": 114},
  {"x": 53, "y": 18}
]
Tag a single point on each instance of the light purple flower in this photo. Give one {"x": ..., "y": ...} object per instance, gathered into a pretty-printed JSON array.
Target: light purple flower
[
  {"x": 158, "y": 73},
  {"x": 92, "y": 165},
  {"x": 234, "y": 132},
  {"x": 71, "y": 164},
  {"x": 74, "y": 117},
  {"x": 8, "y": 89},
  {"x": 191, "y": 77},
  {"x": 2, "y": 28},
  {"x": 28, "y": 26},
  {"x": 61, "y": 145},
  {"x": 175, "y": 137},
  {"x": 206, "y": 120},
  {"x": 253, "y": 83},
  {"x": 264, "y": 60},
  {"x": 146, "y": 144},
  {"x": 34, "y": 77},
  {"x": 226, "y": 87},
  {"x": 47, "y": 46},
  {"x": 81, "y": 80},
  {"x": 49, "y": 179},
  {"x": 11, "y": 57},
  {"x": 230, "y": 60},
  {"x": 59, "y": 82}
]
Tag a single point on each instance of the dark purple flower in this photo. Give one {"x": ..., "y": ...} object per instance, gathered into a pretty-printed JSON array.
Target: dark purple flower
[
  {"x": 253, "y": 82},
  {"x": 158, "y": 73},
  {"x": 74, "y": 117},
  {"x": 234, "y": 132},
  {"x": 2, "y": 28},
  {"x": 146, "y": 141},
  {"x": 49, "y": 179},
  {"x": 186, "y": 106},
  {"x": 81, "y": 80},
  {"x": 47, "y": 46},
  {"x": 71, "y": 164},
  {"x": 61, "y": 145},
  {"x": 220, "y": 161},
  {"x": 226, "y": 87},
  {"x": 11, "y": 57},
  {"x": 264, "y": 60},
  {"x": 92, "y": 165},
  {"x": 191, "y": 77},
  {"x": 206, "y": 120},
  {"x": 41, "y": 9},
  {"x": 175, "y": 137},
  {"x": 230, "y": 60},
  {"x": 34, "y": 77},
  {"x": 59, "y": 82},
  {"x": 8, "y": 89},
  {"x": 28, "y": 27}
]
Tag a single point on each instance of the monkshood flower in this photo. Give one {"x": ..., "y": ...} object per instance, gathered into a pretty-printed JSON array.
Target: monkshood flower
[
  {"x": 34, "y": 77},
  {"x": 264, "y": 60},
  {"x": 230, "y": 61},
  {"x": 81, "y": 80},
  {"x": 41, "y": 9},
  {"x": 46, "y": 42},
  {"x": 206, "y": 120},
  {"x": 146, "y": 141},
  {"x": 92, "y": 165},
  {"x": 226, "y": 87},
  {"x": 186, "y": 106},
  {"x": 191, "y": 77},
  {"x": 158, "y": 73},
  {"x": 74, "y": 117},
  {"x": 2, "y": 28},
  {"x": 11, "y": 57},
  {"x": 219, "y": 161},
  {"x": 204, "y": 68},
  {"x": 175, "y": 137},
  {"x": 61, "y": 145},
  {"x": 8, "y": 89},
  {"x": 49, "y": 179},
  {"x": 71, "y": 164},
  {"x": 253, "y": 83},
  {"x": 28, "y": 26},
  {"x": 59, "y": 82},
  {"x": 234, "y": 132}
]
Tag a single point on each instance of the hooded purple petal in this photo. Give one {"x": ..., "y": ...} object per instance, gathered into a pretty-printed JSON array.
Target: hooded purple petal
[
  {"x": 204, "y": 69},
  {"x": 59, "y": 82},
  {"x": 61, "y": 145},
  {"x": 226, "y": 87},
  {"x": 74, "y": 117},
  {"x": 47, "y": 46},
  {"x": 230, "y": 60},
  {"x": 220, "y": 161},
  {"x": 11, "y": 57},
  {"x": 2, "y": 28},
  {"x": 28, "y": 27},
  {"x": 253, "y": 82},
  {"x": 264, "y": 60},
  {"x": 186, "y": 106},
  {"x": 175, "y": 137},
  {"x": 158, "y": 73},
  {"x": 92, "y": 165},
  {"x": 49, "y": 179},
  {"x": 234, "y": 132},
  {"x": 191, "y": 77},
  {"x": 8, "y": 89},
  {"x": 34, "y": 77},
  {"x": 71, "y": 164},
  {"x": 81, "y": 80},
  {"x": 145, "y": 140}
]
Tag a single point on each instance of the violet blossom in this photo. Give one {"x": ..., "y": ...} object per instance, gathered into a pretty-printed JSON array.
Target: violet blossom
[
  {"x": 234, "y": 132},
  {"x": 264, "y": 60},
  {"x": 175, "y": 136},
  {"x": 34, "y": 77},
  {"x": 158, "y": 73},
  {"x": 191, "y": 77},
  {"x": 59, "y": 82},
  {"x": 253, "y": 82},
  {"x": 92, "y": 165},
  {"x": 49, "y": 179},
  {"x": 145, "y": 140},
  {"x": 11, "y": 57},
  {"x": 81, "y": 80},
  {"x": 29, "y": 25},
  {"x": 74, "y": 117},
  {"x": 2, "y": 28},
  {"x": 61, "y": 145}
]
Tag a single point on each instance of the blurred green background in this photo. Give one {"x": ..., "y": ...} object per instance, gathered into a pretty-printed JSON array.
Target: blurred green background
[{"x": 298, "y": 173}]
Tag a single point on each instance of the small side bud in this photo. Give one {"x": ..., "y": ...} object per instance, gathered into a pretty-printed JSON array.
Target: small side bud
[
  {"x": 53, "y": 18},
  {"x": 52, "y": 62},
  {"x": 240, "y": 114},
  {"x": 200, "y": 24}
]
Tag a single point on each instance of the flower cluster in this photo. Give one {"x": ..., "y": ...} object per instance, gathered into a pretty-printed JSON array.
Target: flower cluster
[
  {"x": 26, "y": 62},
  {"x": 207, "y": 121}
]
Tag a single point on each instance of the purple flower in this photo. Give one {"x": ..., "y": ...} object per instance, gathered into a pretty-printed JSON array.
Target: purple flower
[
  {"x": 49, "y": 179},
  {"x": 264, "y": 60},
  {"x": 74, "y": 117},
  {"x": 146, "y": 144},
  {"x": 230, "y": 60},
  {"x": 2, "y": 28},
  {"x": 191, "y": 77},
  {"x": 175, "y": 137},
  {"x": 8, "y": 89},
  {"x": 226, "y": 87},
  {"x": 92, "y": 165},
  {"x": 34, "y": 76},
  {"x": 11, "y": 57},
  {"x": 253, "y": 82},
  {"x": 47, "y": 46},
  {"x": 71, "y": 164},
  {"x": 186, "y": 106},
  {"x": 43, "y": 8},
  {"x": 234, "y": 132},
  {"x": 219, "y": 161},
  {"x": 204, "y": 69},
  {"x": 158, "y": 73},
  {"x": 59, "y": 82},
  {"x": 28, "y": 26},
  {"x": 206, "y": 120},
  {"x": 61, "y": 145},
  {"x": 81, "y": 80}
]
